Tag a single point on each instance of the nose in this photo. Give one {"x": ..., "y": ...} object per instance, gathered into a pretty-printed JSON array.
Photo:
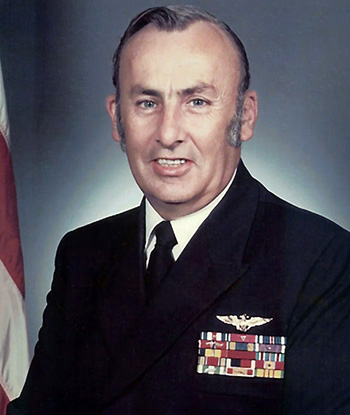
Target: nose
[{"x": 170, "y": 131}]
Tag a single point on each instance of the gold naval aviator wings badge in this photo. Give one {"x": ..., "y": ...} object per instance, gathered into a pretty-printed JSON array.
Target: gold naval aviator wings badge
[{"x": 243, "y": 322}]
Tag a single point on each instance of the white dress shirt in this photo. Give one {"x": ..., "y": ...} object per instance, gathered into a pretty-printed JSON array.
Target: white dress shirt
[{"x": 184, "y": 228}]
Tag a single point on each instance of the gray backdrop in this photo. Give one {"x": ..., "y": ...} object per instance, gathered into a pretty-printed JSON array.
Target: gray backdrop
[{"x": 56, "y": 58}]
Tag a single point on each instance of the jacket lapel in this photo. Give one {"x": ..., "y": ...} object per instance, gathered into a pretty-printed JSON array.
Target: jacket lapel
[
  {"x": 121, "y": 297},
  {"x": 211, "y": 263}
]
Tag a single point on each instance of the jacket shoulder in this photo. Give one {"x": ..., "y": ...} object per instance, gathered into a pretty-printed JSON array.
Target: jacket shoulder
[
  {"x": 294, "y": 220},
  {"x": 91, "y": 245},
  {"x": 110, "y": 227},
  {"x": 294, "y": 235}
]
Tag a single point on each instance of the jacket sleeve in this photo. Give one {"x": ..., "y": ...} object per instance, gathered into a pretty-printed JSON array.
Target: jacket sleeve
[
  {"x": 43, "y": 389},
  {"x": 317, "y": 365}
]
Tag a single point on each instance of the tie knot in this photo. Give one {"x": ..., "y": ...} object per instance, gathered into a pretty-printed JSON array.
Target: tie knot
[{"x": 165, "y": 234}]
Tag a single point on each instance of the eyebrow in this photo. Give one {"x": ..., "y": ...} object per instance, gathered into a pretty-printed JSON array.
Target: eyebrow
[
  {"x": 196, "y": 89},
  {"x": 140, "y": 90}
]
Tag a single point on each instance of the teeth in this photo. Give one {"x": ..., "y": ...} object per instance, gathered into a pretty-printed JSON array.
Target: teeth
[{"x": 168, "y": 162}]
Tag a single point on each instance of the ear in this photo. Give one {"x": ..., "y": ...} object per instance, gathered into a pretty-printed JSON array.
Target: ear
[
  {"x": 111, "y": 107},
  {"x": 250, "y": 115}
]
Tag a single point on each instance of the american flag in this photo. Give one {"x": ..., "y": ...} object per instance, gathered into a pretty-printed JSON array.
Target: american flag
[{"x": 14, "y": 356}]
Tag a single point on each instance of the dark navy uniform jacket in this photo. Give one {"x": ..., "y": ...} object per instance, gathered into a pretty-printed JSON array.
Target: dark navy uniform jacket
[{"x": 103, "y": 350}]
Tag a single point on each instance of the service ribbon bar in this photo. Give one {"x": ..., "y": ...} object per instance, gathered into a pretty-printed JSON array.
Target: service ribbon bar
[{"x": 246, "y": 355}]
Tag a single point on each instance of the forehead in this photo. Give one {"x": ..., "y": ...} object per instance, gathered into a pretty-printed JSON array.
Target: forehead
[{"x": 202, "y": 50}]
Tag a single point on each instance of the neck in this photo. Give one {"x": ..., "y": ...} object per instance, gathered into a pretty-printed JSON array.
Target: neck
[{"x": 173, "y": 211}]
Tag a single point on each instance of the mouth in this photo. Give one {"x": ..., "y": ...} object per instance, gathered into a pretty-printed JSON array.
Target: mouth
[
  {"x": 172, "y": 167},
  {"x": 173, "y": 163}
]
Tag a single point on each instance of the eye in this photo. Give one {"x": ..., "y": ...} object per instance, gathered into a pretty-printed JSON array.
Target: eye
[
  {"x": 147, "y": 104},
  {"x": 198, "y": 102}
]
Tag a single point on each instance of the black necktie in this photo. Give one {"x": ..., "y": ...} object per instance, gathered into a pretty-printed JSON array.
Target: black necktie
[{"x": 161, "y": 257}]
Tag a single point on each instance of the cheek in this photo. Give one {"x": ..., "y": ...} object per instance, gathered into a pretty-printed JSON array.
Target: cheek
[
  {"x": 212, "y": 145},
  {"x": 139, "y": 131},
  {"x": 211, "y": 128}
]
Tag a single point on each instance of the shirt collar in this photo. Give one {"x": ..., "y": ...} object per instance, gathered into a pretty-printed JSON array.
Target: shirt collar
[{"x": 185, "y": 227}]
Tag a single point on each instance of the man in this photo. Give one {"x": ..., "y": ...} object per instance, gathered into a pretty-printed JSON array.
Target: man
[{"x": 240, "y": 306}]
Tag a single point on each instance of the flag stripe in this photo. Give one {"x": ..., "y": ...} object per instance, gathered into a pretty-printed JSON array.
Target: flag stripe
[
  {"x": 14, "y": 354},
  {"x": 10, "y": 248},
  {"x": 4, "y": 400},
  {"x": 4, "y": 123},
  {"x": 13, "y": 341}
]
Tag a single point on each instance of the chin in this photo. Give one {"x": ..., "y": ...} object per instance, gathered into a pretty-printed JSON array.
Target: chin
[
  {"x": 173, "y": 200},
  {"x": 166, "y": 199}
]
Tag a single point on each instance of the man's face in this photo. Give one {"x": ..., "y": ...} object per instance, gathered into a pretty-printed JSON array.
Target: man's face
[{"x": 177, "y": 99}]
